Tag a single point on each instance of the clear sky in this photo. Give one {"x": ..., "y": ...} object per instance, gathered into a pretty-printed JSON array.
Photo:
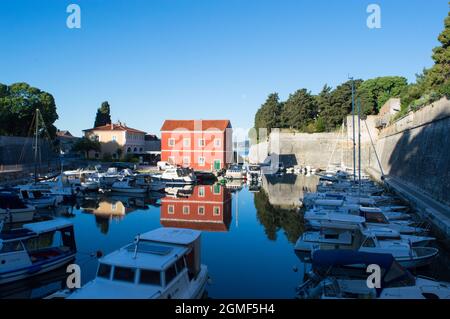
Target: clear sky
[{"x": 209, "y": 59}]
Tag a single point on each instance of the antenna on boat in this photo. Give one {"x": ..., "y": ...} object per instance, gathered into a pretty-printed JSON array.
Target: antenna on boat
[{"x": 136, "y": 243}]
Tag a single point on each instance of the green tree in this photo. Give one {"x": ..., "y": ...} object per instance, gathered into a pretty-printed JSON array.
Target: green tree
[
  {"x": 439, "y": 74},
  {"x": 103, "y": 115},
  {"x": 268, "y": 115},
  {"x": 84, "y": 145},
  {"x": 375, "y": 92},
  {"x": 18, "y": 104},
  {"x": 299, "y": 110}
]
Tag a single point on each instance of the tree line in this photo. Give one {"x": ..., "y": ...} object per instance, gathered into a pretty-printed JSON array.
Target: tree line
[{"x": 305, "y": 112}]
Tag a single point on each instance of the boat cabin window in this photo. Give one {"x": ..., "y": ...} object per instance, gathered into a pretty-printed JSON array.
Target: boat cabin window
[
  {"x": 124, "y": 274},
  {"x": 150, "y": 277},
  {"x": 171, "y": 273},
  {"x": 104, "y": 271},
  {"x": 331, "y": 236},
  {"x": 180, "y": 263},
  {"x": 369, "y": 242},
  {"x": 10, "y": 247},
  {"x": 378, "y": 218}
]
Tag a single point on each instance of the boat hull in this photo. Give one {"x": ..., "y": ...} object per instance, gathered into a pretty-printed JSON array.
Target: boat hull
[{"x": 18, "y": 215}]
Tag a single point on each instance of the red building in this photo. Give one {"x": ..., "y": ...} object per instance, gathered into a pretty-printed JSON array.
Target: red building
[
  {"x": 208, "y": 208},
  {"x": 204, "y": 145}
]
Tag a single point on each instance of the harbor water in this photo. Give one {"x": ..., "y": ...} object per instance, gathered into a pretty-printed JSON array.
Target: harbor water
[{"x": 248, "y": 235}]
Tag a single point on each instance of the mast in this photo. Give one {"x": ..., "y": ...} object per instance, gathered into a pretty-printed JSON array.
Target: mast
[
  {"x": 353, "y": 120},
  {"x": 359, "y": 142},
  {"x": 36, "y": 120}
]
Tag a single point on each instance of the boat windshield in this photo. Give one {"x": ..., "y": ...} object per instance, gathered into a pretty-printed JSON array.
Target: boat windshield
[{"x": 397, "y": 276}]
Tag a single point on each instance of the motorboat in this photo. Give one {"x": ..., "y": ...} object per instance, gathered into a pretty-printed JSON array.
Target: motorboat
[
  {"x": 333, "y": 277},
  {"x": 365, "y": 241},
  {"x": 179, "y": 191},
  {"x": 39, "y": 199},
  {"x": 177, "y": 176},
  {"x": 127, "y": 185},
  {"x": 254, "y": 172},
  {"x": 236, "y": 171},
  {"x": 35, "y": 249},
  {"x": 160, "y": 264},
  {"x": 151, "y": 184},
  {"x": 15, "y": 210},
  {"x": 109, "y": 177},
  {"x": 329, "y": 218}
]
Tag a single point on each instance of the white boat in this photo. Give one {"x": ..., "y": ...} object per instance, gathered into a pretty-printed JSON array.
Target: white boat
[
  {"x": 235, "y": 172},
  {"x": 179, "y": 191},
  {"x": 329, "y": 218},
  {"x": 177, "y": 176},
  {"x": 402, "y": 250},
  {"x": 15, "y": 210},
  {"x": 35, "y": 249},
  {"x": 160, "y": 264},
  {"x": 254, "y": 172},
  {"x": 39, "y": 199},
  {"x": 151, "y": 184},
  {"x": 331, "y": 279},
  {"x": 127, "y": 185},
  {"x": 109, "y": 177}
]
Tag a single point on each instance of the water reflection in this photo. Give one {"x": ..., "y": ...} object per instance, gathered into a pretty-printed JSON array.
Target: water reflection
[{"x": 204, "y": 207}]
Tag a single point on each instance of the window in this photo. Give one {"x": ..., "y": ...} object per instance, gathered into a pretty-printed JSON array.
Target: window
[
  {"x": 201, "y": 210},
  {"x": 201, "y": 161},
  {"x": 185, "y": 210},
  {"x": 171, "y": 209},
  {"x": 216, "y": 189},
  {"x": 135, "y": 149},
  {"x": 180, "y": 264},
  {"x": 217, "y": 142},
  {"x": 10, "y": 247},
  {"x": 171, "y": 142},
  {"x": 129, "y": 150},
  {"x": 201, "y": 191},
  {"x": 113, "y": 206},
  {"x": 186, "y": 160},
  {"x": 114, "y": 138},
  {"x": 141, "y": 149},
  {"x": 171, "y": 273},
  {"x": 201, "y": 142},
  {"x": 216, "y": 211},
  {"x": 104, "y": 271},
  {"x": 124, "y": 274},
  {"x": 150, "y": 277},
  {"x": 171, "y": 160},
  {"x": 369, "y": 243},
  {"x": 186, "y": 142}
]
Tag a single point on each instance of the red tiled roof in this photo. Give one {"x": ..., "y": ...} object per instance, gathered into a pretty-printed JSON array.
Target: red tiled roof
[
  {"x": 115, "y": 127},
  {"x": 195, "y": 125}
]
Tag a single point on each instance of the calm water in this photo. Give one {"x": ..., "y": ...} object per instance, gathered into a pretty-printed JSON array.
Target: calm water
[{"x": 247, "y": 241}]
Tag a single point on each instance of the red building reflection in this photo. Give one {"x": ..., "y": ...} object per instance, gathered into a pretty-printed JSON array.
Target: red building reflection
[{"x": 207, "y": 208}]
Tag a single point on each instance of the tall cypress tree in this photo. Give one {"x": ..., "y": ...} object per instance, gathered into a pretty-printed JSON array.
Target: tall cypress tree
[{"x": 103, "y": 116}]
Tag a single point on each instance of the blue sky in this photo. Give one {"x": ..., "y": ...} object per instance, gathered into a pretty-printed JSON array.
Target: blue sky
[{"x": 210, "y": 59}]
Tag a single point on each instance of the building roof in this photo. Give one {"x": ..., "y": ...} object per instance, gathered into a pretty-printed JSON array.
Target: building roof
[
  {"x": 195, "y": 125},
  {"x": 64, "y": 134},
  {"x": 114, "y": 127}
]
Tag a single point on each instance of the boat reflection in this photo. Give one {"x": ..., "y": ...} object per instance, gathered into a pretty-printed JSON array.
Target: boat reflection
[{"x": 206, "y": 208}]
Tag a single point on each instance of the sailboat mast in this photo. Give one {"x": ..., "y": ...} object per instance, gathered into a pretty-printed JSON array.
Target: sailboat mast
[
  {"x": 359, "y": 141},
  {"x": 36, "y": 122},
  {"x": 353, "y": 125}
]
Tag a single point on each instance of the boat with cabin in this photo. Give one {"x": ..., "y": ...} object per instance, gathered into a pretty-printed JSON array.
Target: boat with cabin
[
  {"x": 36, "y": 248},
  {"x": 14, "y": 210},
  {"x": 160, "y": 264}
]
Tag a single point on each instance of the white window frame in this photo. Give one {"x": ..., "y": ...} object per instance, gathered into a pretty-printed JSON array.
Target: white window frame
[
  {"x": 186, "y": 142},
  {"x": 217, "y": 142},
  {"x": 201, "y": 213},
  {"x": 201, "y": 142},
  {"x": 188, "y": 210},
  {"x": 201, "y": 161},
  {"x": 171, "y": 160},
  {"x": 202, "y": 194},
  {"x": 186, "y": 160},
  {"x": 214, "y": 211},
  {"x": 171, "y": 142},
  {"x": 171, "y": 209}
]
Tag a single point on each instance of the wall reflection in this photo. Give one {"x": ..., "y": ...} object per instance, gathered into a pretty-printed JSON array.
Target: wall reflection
[{"x": 201, "y": 207}]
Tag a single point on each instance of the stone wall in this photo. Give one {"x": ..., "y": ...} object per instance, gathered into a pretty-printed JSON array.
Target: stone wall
[
  {"x": 19, "y": 150},
  {"x": 416, "y": 150},
  {"x": 317, "y": 150}
]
